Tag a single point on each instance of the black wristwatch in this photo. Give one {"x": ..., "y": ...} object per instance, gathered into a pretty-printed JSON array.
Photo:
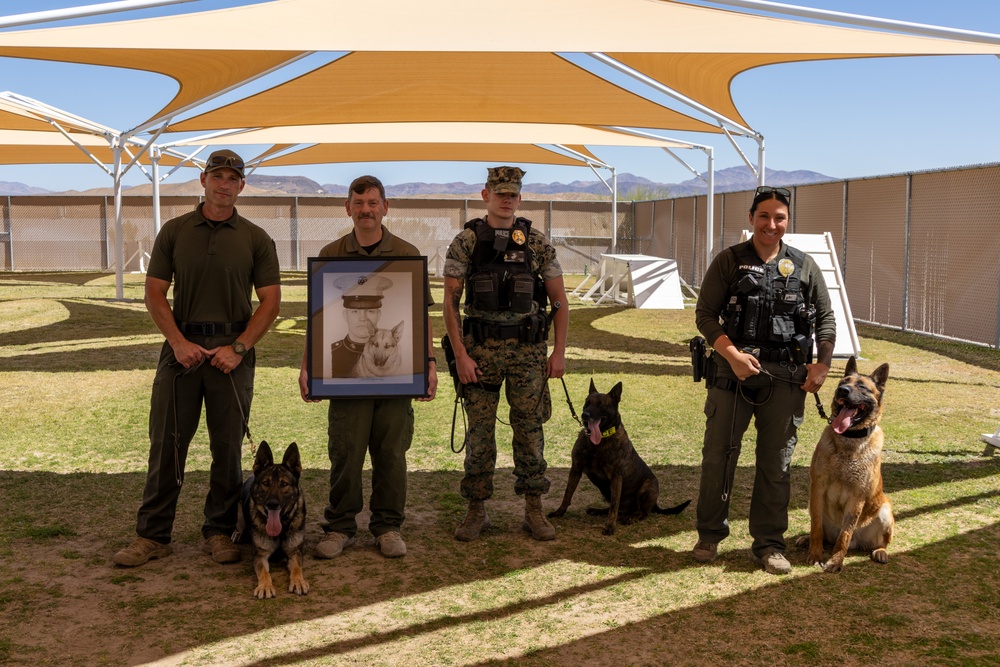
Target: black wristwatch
[
  {"x": 432, "y": 358},
  {"x": 240, "y": 349}
]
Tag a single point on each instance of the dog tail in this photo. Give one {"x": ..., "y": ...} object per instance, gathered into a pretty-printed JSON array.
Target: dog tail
[{"x": 676, "y": 509}]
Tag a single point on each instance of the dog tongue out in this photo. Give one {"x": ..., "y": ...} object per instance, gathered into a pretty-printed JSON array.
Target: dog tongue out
[
  {"x": 274, "y": 523},
  {"x": 594, "y": 430},
  {"x": 842, "y": 420}
]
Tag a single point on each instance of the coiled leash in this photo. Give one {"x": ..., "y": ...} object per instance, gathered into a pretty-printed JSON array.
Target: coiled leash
[
  {"x": 727, "y": 479},
  {"x": 178, "y": 473}
]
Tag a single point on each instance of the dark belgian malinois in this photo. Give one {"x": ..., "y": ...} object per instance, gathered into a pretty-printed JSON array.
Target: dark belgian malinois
[
  {"x": 274, "y": 510},
  {"x": 605, "y": 453},
  {"x": 847, "y": 507}
]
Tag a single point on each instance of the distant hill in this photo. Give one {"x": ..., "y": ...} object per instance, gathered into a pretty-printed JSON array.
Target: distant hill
[
  {"x": 731, "y": 179},
  {"x": 8, "y": 188}
]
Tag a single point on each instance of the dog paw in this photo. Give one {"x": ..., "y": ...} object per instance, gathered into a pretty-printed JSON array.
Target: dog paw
[
  {"x": 264, "y": 592},
  {"x": 814, "y": 558},
  {"x": 555, "y": 514},
  {"x": 300, "y": 587},
  {"x": 880, "y": 556},
  {"x": 802, "y": 541},
  {"x": 833, "y": 566}
]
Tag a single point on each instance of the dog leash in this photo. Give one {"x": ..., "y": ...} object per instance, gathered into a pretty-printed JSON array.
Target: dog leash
[
  {"x": 569, "y": 402},
  {"x": 819, "y": 403},
  {"x": 178, "y": 473}
]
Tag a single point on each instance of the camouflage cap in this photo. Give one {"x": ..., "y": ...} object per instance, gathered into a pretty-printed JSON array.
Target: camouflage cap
[
  {"x": 361, "y": 291},
  {"x": 505, "y": 179}
]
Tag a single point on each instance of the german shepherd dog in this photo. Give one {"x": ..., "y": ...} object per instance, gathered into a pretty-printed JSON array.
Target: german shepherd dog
[
  {"x": 847, "y": 507},
  {"x": 605, "y": 453},
  {"x": 381, "y": 356},
  {"x": 274, "y": 510}
]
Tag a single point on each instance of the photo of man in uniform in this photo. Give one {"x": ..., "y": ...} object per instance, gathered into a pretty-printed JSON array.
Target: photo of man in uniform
[{"x": 362, "y": 296}]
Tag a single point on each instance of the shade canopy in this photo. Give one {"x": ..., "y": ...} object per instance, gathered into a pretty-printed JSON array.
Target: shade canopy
[{"x": 701, "y": 48}]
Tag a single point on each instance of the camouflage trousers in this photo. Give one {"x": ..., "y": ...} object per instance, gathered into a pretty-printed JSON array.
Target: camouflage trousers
[{"x": 522, "y": 368}]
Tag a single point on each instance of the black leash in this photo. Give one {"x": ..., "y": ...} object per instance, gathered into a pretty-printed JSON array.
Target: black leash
[
  {"x": 727, "y": 480},
  {"x": 178, "y": 473},
  {"x": 569, "y": 402}
]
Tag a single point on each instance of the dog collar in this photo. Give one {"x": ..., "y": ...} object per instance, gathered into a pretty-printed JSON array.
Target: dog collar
[
  {"x": 858, "y": 432},
  {"x": 610, "y": 432}
]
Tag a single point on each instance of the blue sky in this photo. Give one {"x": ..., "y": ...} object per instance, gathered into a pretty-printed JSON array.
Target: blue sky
[{"x": 844, "y": 119}]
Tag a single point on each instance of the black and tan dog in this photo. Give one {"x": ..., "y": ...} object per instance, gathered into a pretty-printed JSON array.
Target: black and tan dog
[
  {"x": 847, "y": 506},
  {"x": 273, "y": 517},
  {"x": 605, "y": 453}
]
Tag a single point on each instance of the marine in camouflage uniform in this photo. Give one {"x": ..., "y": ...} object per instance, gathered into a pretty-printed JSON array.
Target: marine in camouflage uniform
[{"x": 504, "y": 344}]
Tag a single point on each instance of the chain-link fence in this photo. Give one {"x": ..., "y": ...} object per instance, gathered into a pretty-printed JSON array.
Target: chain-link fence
[{"x": 919, "y": 251}]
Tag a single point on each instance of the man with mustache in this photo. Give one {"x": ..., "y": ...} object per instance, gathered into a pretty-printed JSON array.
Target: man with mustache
[{"x": 381, "y": 426}]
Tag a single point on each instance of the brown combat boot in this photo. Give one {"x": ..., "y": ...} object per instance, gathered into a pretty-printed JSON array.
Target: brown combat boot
[
  {"x": 476, "y": 520},
  {"x": 534, "y": 521}
]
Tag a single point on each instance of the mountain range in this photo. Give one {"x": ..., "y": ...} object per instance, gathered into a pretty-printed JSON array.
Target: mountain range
[{"x": 630, "y": 186}]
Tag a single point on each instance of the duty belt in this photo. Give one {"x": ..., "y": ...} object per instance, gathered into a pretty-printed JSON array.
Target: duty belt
[
  {"x": 481, "y": 330},
  {"x": 211, "y": 328},
  {"x": 769, "y": 353}
]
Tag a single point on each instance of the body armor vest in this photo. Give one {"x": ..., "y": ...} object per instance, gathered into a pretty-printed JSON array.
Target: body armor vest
[
  {"x": 500, "y": 275},
  {"x": 766, "y": 305}
]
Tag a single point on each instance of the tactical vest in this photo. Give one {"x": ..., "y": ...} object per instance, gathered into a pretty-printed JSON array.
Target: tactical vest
[
  {"x": 500, "y": 274},
  {"x": 766, "y": 305}
]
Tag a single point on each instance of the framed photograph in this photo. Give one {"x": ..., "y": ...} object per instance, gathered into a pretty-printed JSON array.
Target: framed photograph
[{"x": 367, "y": 331}]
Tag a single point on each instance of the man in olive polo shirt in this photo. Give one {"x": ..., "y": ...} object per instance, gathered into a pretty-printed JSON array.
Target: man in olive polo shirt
[
  {"x": 382, "y": 427},
  {"x": 213, "y": 257}
]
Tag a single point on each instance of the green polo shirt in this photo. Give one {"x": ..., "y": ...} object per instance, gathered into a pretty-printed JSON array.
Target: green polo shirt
[
  {"x": 390, "y": 246},
  {"x": 213, "y": 266}
]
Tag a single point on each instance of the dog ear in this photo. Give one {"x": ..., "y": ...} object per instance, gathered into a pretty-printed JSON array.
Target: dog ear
[
  {"x": 616, "y": 393},
  {"x": 852, "y": 367},
  {"x": 397, "y": 332},
  {"x": 371, "y": 328},
  {"x": 880, "y": 377},
  {"x": 264, "y": 457},
  {"x": 593, "y": 389},
  {"x": 292, "y": 460}
]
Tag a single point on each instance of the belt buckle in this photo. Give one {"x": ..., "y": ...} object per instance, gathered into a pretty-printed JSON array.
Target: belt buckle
[{"x": 208, "y": 329}]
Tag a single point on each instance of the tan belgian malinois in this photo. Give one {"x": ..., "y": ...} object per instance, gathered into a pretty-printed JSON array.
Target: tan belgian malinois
[{"x": 847, "y": 506}]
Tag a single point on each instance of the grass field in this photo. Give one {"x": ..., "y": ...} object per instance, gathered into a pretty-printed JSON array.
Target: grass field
[{"x": 75, "y": 373}]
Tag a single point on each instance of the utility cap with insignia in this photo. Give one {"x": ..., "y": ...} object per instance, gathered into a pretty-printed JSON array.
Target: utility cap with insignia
[
  {"x": 505, "y": 179},
  {"x": 362, "y": 291},
  {"x": 224, "y": 159}
]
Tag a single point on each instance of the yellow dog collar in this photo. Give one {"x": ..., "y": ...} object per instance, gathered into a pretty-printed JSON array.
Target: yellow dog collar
[{"x": 610, "y": 432}]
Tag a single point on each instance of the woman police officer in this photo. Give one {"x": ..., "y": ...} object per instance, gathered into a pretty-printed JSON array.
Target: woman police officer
[{"x": 760, "y": 304}]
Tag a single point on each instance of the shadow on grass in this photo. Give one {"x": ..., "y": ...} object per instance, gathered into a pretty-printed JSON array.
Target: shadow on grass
[
  {"x": 974, "y": 355},
  {"x": 59, "y": 532}
]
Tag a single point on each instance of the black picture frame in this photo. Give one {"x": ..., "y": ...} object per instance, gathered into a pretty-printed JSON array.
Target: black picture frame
[{"x": 342, "y": 297}]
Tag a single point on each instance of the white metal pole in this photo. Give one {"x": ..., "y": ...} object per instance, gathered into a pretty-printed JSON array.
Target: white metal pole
[
  {"x": 760, "y": 160},
  {"x": 81, "y": 12},
  {"x": 710, "y": 227},
  {"x": 154, "y": 157},
  {"x": 119, "y": 244}
]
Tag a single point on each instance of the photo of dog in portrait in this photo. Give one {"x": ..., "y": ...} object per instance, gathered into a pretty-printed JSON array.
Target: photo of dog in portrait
[
  {"x": 604, "y": 452},
  {"x": 381, "y": 356},
  {"x": 272, "y": 516},
  {"x": 847, "y": 507}
]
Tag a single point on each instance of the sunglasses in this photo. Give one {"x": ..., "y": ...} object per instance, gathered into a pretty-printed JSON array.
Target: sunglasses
[
  {"x": 225, "y": 161},
  {"x": 767, "y": 189}
]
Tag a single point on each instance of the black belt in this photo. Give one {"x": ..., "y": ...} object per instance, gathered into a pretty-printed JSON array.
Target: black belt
[
  {"x": 481, "y": 330},
  {"x": 768, "y": 353},
  {"x": 211, "y": 328}
]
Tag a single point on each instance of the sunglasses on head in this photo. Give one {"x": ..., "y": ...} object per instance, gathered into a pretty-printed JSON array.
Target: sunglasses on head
[
  {"x": 225, "y": 161},
  {"x": 767, "y": 189}
]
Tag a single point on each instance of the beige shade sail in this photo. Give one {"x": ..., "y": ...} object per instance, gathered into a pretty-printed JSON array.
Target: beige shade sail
[
  {"x": 40, "y": 147},
  {"x": 218, "y": 49},
  {"x": 409, "y": 152},
  {"x": 446, "y": 87},
  {"x": 446, "y": 133}
]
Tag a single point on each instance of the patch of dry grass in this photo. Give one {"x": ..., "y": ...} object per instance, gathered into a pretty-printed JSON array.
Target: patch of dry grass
[{"x": 75, "y": 372}]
